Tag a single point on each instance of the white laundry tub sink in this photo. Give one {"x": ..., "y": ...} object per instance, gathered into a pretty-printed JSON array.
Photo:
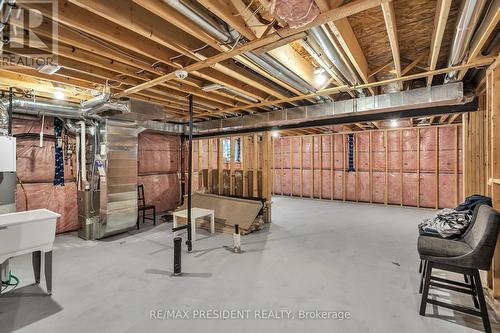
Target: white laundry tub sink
[{"x": 24, "y": 232}]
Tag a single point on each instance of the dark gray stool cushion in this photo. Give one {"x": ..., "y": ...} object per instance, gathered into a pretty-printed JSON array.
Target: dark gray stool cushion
[{"x": 441, "y": 247}]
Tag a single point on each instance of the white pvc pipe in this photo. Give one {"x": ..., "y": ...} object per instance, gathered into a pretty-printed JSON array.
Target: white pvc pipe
[
  {"x": 83, "y": 161},
  {"x": 78, "y": 178}
]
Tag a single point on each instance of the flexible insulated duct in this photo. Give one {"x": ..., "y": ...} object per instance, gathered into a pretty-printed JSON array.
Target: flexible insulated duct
[
  {"x": 4, "y": 120},
  {"x": 468, "y": 17}
]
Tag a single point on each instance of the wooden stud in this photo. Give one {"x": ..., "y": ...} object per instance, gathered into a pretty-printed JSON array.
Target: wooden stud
[
  {"x": 332, "y": 161},
  {"x": 220, "y": 163},
  {"x": 343, "y": 168},
  {"x": 386, "y": 178},
  {"x": 210, "y": 147},
  {"x": 281, "y": 163},
  {"x": 255, "y": 168},
  {"x": 401, "y": 162},
  {"x": 291, "y": 165},
  {"x": 232, "y": 165},
  {"x": 312, "y": 166},
  {"x": 370, "y": 166},
  {"x": 356, "y": 173},
  {"x": 321, "y": 166},
  {"x": 418, "y": 167},
  {"x": 455, "y": 166},
  {"x": 243, "y": 164},
  {"x": 301, "y": 166},
  {"x": 437, "y": 167}
]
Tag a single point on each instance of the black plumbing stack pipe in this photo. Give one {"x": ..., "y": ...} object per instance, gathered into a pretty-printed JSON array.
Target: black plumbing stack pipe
[
  {"x": 190, "y": 170},
  {"x": 177, "y": 255}
]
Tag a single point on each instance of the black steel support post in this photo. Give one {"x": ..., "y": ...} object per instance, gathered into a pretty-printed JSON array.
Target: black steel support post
[
  {"x": 177, "y": 255},
  {"x": 182, "y": 173},
  {"x": 190, "y": 171}
]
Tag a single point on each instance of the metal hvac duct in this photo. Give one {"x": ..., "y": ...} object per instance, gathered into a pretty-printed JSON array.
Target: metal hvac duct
[
  {"x": 347, "y": 74},
  {"x": 131, "y": 110},
  {"x": 468, "y": 17},
  {"x": 217, "y": 86},
  {"x": 442, "y": 95},
  {"x": 264, "y": 61},
  {"x": 208, "y": 27},
  {"x": 4, "y": 120}
]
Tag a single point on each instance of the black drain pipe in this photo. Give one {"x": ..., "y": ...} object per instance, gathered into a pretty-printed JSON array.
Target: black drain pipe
[
  {"x": 190, "y": 171},
  {"x": 187, "y": 226}
]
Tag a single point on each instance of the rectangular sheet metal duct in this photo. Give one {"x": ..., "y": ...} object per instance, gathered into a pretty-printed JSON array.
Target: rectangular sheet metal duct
[
  {"x": 449, "y": 94},
  {"x": 118, "y": 201}
]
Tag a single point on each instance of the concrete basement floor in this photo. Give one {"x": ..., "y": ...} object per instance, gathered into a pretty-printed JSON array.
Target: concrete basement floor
[{"x": 316, "y": 255}]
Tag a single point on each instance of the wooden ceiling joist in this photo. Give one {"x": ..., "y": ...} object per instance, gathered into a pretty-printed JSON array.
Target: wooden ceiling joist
[
  {"x": 440, "y": 20},
  {"x": 341, "y": 12},
  {"x": 390, "y": 24}
]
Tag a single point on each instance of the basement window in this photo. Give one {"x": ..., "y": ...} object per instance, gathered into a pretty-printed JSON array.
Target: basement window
[
  {"x": 226, "y": 150},
  {"x": 350, "y": 152}
]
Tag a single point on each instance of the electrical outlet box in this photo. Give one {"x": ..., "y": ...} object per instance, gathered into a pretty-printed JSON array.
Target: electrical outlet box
[{"x": 7, "y": 153}]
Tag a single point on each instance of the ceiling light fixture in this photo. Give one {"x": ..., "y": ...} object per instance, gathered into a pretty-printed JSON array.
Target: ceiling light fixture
[
  {"x": 319, "y": 70},
  {"x": 58, "y": 94},
  {"x": 275, "y": 134},
  {"x": 320, "y": 79},
  {"x": 394, "y": 123}
]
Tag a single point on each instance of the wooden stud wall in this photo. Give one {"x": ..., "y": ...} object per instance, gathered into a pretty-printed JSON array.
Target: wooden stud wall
[
  {"x": 256, "y": 153},
  {"x": 481, "y": 145},
  {"x": 389, "y": 167}
]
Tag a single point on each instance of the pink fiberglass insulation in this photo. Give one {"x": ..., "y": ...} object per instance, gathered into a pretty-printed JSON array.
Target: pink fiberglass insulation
[
  {"x": 36, "y": 164},
  {"x": 393, "y": 153},
  {"x": 285, "y": 154},
  {"x": 388, "y": 169},
  {"x": 410, "y": 182},
  {"x": 296, "y": 182},
  {"x": 364, "y": 186},
  {"x": 338, "y": 193},
  {"x": 317, "y": 183},
  {"x": 59, "y": 199},
  {"x": 161, "y": 190},
  {"x": 307, "y": 184},
  {"x": 378, "y": 187},
  {"x": 427, "y": 189},
  {"x": 326, "y": 184},
  {"x": 378, "y": 150},
  {"x": 307, "y": 149},
  {"x": 287, "y": 181},
  {"x": 158, "y": 153},
  {"x": 394, "y": 188}
]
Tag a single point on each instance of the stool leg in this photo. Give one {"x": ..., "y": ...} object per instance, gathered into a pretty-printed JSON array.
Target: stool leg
[
  {"x": 474, "y": 292},
  {"x": 482, "y": 303},
  {"x": 420, "y": 267},
  {"x": 425, "y": 293},
  {"x": 423, "y": 277},
  {"x": 154, "y": 215},
  {"x": 48, "y": 271},
  {"x": 36, "y": 260}
]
